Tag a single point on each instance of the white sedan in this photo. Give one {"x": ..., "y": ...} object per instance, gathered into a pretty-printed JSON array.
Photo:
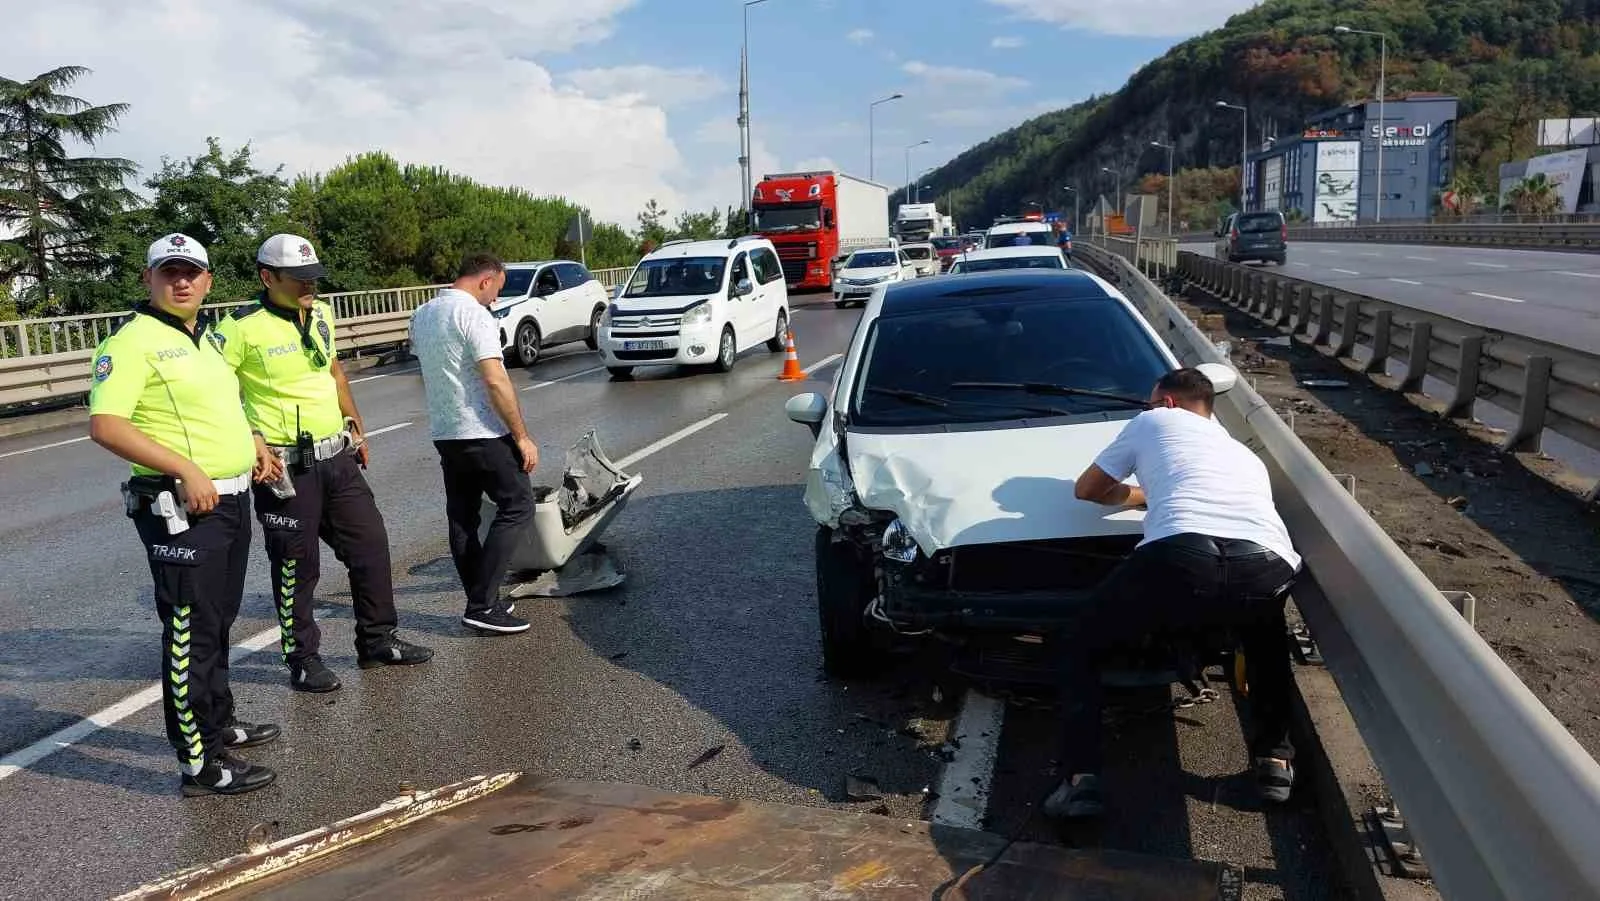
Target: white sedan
[
  {"x": 1030, "y": 257},
  {"x": 866, "y": 270}
]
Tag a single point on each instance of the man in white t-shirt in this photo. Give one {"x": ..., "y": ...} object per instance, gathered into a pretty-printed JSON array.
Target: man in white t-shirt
[
  {"x": 1215, "y": 553},
  {"x": 476, "y": 425}
]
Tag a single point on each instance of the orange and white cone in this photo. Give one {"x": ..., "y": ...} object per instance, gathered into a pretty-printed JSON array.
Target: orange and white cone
[{"x": 791, "y": 364}]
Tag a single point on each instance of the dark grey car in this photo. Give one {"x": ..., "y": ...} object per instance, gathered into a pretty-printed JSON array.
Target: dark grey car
[{"x": 1253, "y": 236}]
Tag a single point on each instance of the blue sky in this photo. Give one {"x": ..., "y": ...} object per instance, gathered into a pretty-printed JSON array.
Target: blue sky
[{"x": 606, "y": 102}]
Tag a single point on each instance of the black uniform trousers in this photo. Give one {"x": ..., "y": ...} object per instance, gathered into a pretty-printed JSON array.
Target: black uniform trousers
[
  {"x": 332, "y": 503},
  {"x": 474, "y": 467},
  {"x": 199, "y": 582},
  {"x": 1183, "y": 582}
]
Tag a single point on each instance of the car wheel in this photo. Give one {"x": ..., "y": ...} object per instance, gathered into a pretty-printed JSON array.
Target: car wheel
[
  {"x": 593, "y": 341},
  {"x": 727, "y": 350},
  {"x": 840, "y": 304},
  {"x": 620, "y": 373},
  {"x": 780, "y": 340},
  {"x": 844, "y": 586},
  {"x": 527, "y": 343}
]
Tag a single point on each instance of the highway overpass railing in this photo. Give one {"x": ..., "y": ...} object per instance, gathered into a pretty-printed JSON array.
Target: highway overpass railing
[
  {"x": 48, "y": 359},
  {"x": 1560, "y": 233},
  {"x": 1504, "y": 802}
]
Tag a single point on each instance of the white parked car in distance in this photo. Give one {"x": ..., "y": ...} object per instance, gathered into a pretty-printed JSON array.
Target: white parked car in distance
[
  {"x": 868, "y": 269},
  {"x": 1029, "y": 257},
  {"x": 697, "y": 303},
  {"x": 924, "y": 256},
  {"x": 1020, "y": 234},
  {"x": 545, "y": 304}
]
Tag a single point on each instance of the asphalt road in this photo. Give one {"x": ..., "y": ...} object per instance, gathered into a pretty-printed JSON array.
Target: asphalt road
[
  {"x": 711, "y": 643},
  {"x": 1544, "y": 295}
]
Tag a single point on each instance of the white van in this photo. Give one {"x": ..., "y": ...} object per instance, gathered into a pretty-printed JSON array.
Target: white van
[
  {"x": 697, "y": 303},
  {"x": 1020, "y": 234}
]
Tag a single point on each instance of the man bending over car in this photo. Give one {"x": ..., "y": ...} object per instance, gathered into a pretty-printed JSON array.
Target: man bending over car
[{"x": 1215, "y": 553}]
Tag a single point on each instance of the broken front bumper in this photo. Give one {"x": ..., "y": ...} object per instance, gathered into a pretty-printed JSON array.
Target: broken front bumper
[{"x": 568, "y": 519}]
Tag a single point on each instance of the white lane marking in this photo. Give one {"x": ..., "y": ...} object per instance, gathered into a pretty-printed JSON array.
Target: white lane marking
[
  {"x": 1496, "y": 297},
  {"x": 537, "y": 385},
  {"x": 1298, "y": 263},
  {"x": 21, "y": 759},
  {"x": 1421, "y": 259},
  {"x": 821, "y": 363},
  {"x": 1405, "y": 281},
  {"x": 29, "y": 450},
  {"x": 1580, "y": 274},
  {"x": 670, "y": 440},
  {"x": 1346, "y": 271},
  {"x": 1488, "y": 265},
  {"x": 1326, "y": 250},
  {"x": 383, "y": 375},
  {"x": 1369, "y": 253},
  {"x": 388, "y": 428},
  {"x": 965, "y": 781}
]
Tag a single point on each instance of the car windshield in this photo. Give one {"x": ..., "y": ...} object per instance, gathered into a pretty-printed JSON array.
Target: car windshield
[
  {"x": 947, "y": 243},
  {"x": 871, "y": 259},
  {"x": 517, "y": 282},
  {"x": 1094, "y": 345},
  {"x": 1259, "y": 223},
  {"x": 1018, "y": 239},
  {"x": 676, "y": 277},
  {"x": 1038, "y": 262},
  {"x": 789, "y": 217},
  {"x": 917, "y": 253}
]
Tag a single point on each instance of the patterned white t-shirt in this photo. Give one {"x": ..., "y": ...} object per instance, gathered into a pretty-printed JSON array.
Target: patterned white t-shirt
[{"x": 450, "y": 334}]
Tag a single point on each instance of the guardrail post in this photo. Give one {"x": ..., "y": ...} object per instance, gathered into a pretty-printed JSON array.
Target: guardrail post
[
  {"x": 1417, "y": 359},
  {"x": 1349, "y": 327},
  {"x": 1382, "y": 334},
  {"x": 1257, "y": 292},
  {"x": 1324, "y": 321},
  {"x": 1235, "y": 284},
  {"x": 1528, "y": 434},
  {"x": 1283, "y": 294},
  {"x": 1468, "y": 370},
  {"x": 1302, "y": 315},
  {"x": 22, "y": 341}
]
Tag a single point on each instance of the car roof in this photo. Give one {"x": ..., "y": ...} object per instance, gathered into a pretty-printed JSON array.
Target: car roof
[
  {"x": 720, "y": 247},
  {"x": 984, "y": 288},
  {"x": 534, "y": 264},
  {"x": 1030, "y": 250},
  {"x": 1007, "y": 228},
  {"x": 883, "y": 249}
]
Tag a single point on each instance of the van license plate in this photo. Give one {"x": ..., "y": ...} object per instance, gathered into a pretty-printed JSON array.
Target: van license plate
[{"x": 644, "y": 345}]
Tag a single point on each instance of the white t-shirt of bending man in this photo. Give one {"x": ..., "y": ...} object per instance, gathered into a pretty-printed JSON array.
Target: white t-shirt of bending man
[{"x": 450, "y": 334}]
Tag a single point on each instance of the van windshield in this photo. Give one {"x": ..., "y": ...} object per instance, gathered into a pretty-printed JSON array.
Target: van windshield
[{"x": 676, "y": 277}]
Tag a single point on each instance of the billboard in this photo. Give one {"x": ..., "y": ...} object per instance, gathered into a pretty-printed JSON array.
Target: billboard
[
  {"x": 1565, "y": 171},
  {"x": 1338, "y": 173},
  {"x": 1569, "y": 132},
  {"x": 1272, "y": 184}
]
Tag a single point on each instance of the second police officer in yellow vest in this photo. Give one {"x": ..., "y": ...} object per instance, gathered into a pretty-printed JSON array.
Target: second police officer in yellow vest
[{"x": 298, "y": 399}]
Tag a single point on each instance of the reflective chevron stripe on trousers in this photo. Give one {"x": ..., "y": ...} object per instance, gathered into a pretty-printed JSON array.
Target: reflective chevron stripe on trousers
[{"x": 199, "y": 581}]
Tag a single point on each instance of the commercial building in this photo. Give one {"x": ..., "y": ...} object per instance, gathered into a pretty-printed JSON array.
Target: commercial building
[
  {"x": 1329, "y": 172},
  {"x": 1574, "y": 170}
]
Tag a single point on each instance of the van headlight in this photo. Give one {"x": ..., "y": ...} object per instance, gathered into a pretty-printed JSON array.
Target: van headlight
[
  {"x": 898, "y": 545},
  {"x": 608, "y": 315},
  {"x": 699, "y": 314}
]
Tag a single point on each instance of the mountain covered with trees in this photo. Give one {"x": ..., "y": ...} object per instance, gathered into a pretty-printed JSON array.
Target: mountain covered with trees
[{"x": 1510, "y": 63}]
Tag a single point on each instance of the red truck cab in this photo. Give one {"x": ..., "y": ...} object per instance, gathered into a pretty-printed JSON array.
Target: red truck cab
[{"x": 796, "y": 213}]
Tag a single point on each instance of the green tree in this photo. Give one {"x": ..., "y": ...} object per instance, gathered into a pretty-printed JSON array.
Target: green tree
[
  {"x": 1535, "y": 195},
  {"x": 53, "y": 203},
  {"x": 652, "y": 230}
]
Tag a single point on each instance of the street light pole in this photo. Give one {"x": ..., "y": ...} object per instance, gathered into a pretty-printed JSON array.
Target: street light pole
[
  {"x": 871, "y": 151},
  {"x": 910, "y": 148},
  {"x": 1171, "y": 182},
  {"x": 744, "y": 116},
  {"x": 1120, "y": 201},
  {"x": 1075, "y": 224},
  {"x": 1383, "y": 73},
  {"x": 1244, "y": 146}
]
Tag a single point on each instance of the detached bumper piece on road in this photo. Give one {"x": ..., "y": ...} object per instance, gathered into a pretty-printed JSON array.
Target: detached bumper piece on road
[
  {"x": 568, "y": 520},
  {"x": 512, "y": 836}
]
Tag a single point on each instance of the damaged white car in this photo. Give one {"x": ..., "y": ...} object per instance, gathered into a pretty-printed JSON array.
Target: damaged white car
[{"x": 943, "y": 471}]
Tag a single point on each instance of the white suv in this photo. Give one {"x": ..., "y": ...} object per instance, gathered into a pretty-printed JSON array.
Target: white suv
[
  {"x": 697, "y": 303},
  {"x": 547, "y": 303}
]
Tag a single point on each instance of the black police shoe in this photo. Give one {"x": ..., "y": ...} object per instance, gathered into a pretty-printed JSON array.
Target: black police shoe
[
  {"x": 392, "y": 651},
  {"x": 1079, "y": 801},
  {"x": 240, "y": 734},
  {"x": 311, "y": 674},
  {"x": 497, "y": 620},
  {"x": 226, "y": 774},
  {"x": 1274, "y": 781}
]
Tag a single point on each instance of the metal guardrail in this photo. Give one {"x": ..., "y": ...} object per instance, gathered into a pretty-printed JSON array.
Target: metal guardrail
[
  {"x": 1574, "y": 236},
  {"x": 1503, "y": 800}
]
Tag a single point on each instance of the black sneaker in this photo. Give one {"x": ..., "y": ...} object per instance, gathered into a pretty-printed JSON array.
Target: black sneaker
[
  {"x": 1273, "y": 781},
  {"x": 1079, "y": 801},
  {"x": 391, "y": 651},
  {"x": 226, "y": 774},
  {"x": 311, "y": 674},
  {"x": 497, "y": 620},
  {"x": 239, "y": 734}
]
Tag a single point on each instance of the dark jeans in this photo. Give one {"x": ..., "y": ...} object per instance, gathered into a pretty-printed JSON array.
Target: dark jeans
[
  {"x": 473, "y": 468},
  {"x": 1182, "y": 583},
  {"x": 199, "y": 581},
  {"x": 332, "y": 503}
]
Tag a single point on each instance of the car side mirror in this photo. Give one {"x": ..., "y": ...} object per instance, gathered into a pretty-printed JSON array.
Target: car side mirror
[
  {"x": 1222, "y": 377},
  {"x": 809, "y": 410},
  {"x": 743, "y": 288}
]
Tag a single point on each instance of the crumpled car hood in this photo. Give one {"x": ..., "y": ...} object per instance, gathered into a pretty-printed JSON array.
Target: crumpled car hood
[{"x": 988, "y": 486}]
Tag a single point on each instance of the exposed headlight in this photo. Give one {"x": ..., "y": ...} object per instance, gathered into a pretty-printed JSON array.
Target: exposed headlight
[
  {"x": 898, "y": 545},
  {"x": 610, "y": 314},
  {"x": 699, "y": 314}
]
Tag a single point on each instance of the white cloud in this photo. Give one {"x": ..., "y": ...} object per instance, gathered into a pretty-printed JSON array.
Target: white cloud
[
  {"x": 1130, "y": 18},
  {"x": 957, "y": 78},
  {"x": 859, "y": 36},
  {"x": 312, "y": 82},
  {"x": 721, "y": 130},
  {"x": 649, "y": 85},
  {"x": 1006, "y": 43},
  {"x": 816, "y": 164}
]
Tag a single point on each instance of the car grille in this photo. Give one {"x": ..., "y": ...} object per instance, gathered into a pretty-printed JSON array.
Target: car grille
[
  {"x": 1059, "y": 564},
  {"x": 659, "y": 324},
  {"x": 640, "y": 355}
]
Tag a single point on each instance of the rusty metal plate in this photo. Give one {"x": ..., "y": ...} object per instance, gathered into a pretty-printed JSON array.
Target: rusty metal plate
[{"x": 583, "y": 840}]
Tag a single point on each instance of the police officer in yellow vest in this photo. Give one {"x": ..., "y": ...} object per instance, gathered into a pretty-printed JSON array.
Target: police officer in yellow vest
[
  {"x": 298, "y": 400},
  {"x": 163, "y": 398}
]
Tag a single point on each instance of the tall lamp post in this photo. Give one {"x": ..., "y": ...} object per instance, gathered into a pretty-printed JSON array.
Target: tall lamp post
[
  {"x": 1244, "y": 145},
  {"x": 1172, "y": 193},
  {"x": 1074, "y": 191},
  {"x": 1118, "y": 175},
  {"x": 744, "y": 116},
  {"x": 871, "y": 151},
  {"x": 909, "y": 148},
  {"x": 1383, "y": 71}
]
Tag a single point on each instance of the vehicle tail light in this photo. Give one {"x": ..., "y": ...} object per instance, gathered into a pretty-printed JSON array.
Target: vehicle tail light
[
  {"x": 1234, "y": 234},
  {"x": 1283, "y": 232}
]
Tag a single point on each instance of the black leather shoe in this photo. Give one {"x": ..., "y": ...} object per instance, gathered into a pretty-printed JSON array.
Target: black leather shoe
[
  {"x": 311, "y": 674},
  {"x": 1079, "y": 801},
  {"x": 1273, "y": 781},
  {"x": 226, "y": 774},
  {"x": 392, "y": 651},
  {"x": 240, "y": 734}
]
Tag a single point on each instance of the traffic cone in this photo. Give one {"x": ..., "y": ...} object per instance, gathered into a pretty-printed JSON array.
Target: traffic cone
[{"x": 791, "y": 364}]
